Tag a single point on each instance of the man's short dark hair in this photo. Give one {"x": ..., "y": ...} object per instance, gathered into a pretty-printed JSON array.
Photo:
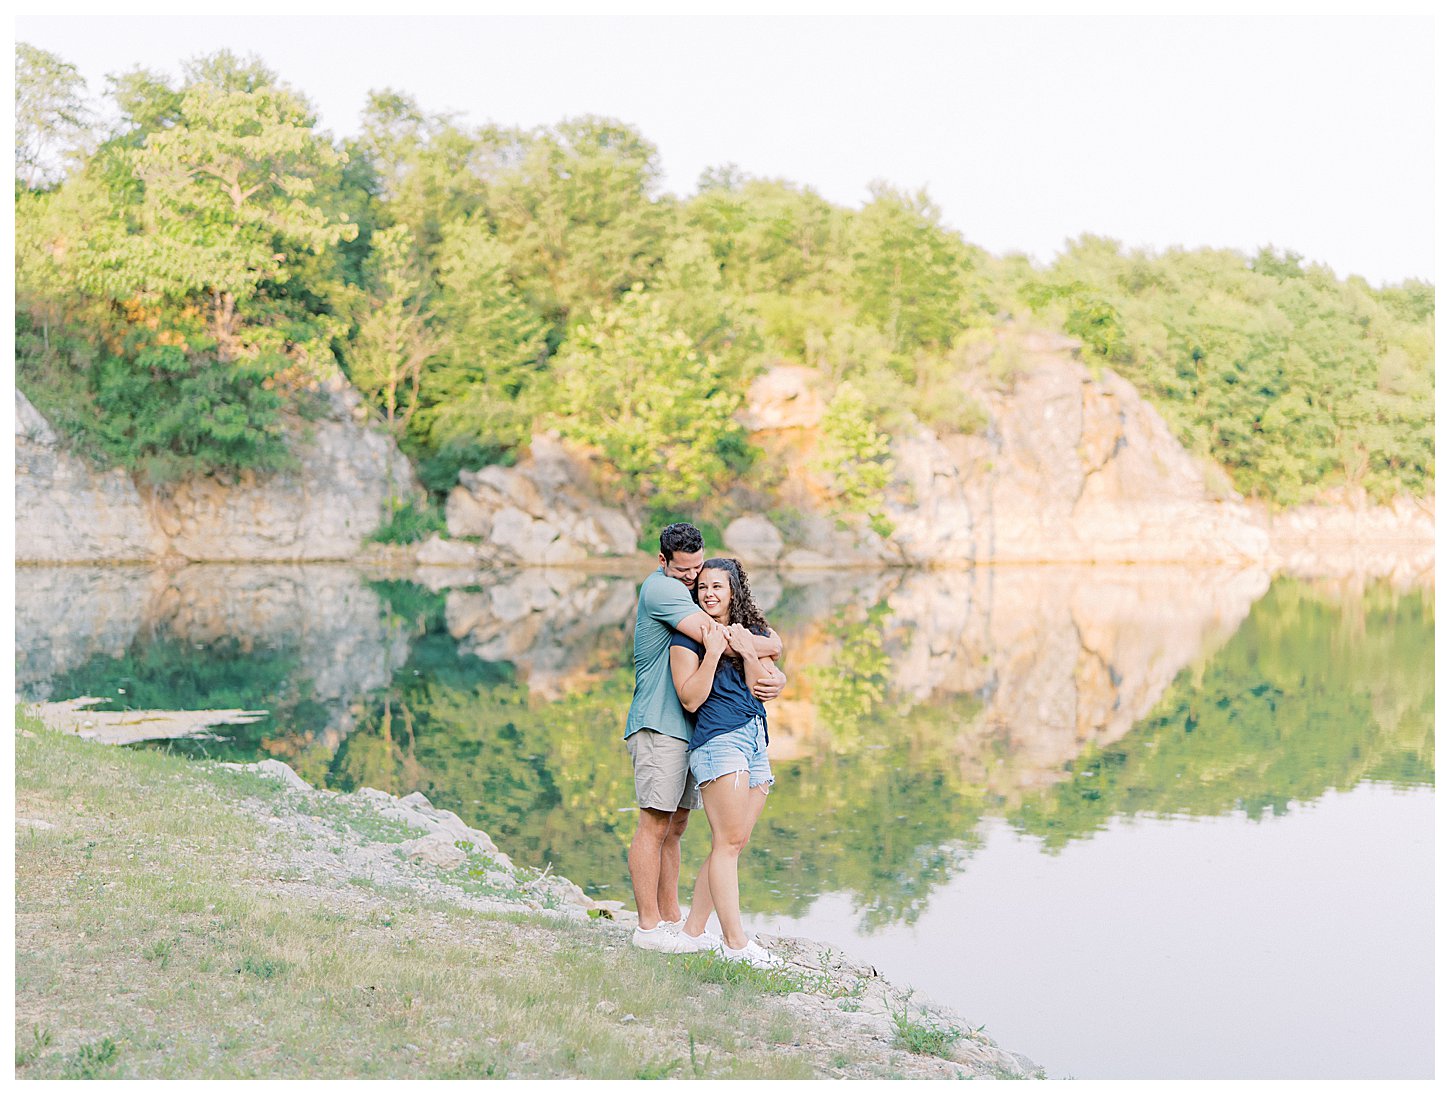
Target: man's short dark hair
[{"x": 680, "y": 536}]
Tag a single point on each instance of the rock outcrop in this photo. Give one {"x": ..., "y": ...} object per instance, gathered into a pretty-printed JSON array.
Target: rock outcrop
[
  {"x": 67, "y": 511},
  {"x": 1073, "y": 467},
  {"x": 543, "y": 511},
  {"x": 1068, "y": 466}
]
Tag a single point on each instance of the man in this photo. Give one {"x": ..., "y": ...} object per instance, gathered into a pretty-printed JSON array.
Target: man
[{"x": 657, "y": 732}]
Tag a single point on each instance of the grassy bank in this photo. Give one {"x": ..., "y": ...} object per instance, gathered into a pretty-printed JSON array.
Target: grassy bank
[
  {"x": 179, "y": 919},
  {"x": 155, "y": 937}
]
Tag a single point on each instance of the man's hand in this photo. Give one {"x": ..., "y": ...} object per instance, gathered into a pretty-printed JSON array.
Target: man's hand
[{"x": 770, "y": 686}]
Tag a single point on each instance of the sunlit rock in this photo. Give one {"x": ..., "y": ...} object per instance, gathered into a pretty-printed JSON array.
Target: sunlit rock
[
  {"x": 324, "y": 510},
  {"x": 754, "y": 539},
  {"x": 784, "y": 397},
  {"x": 67, "y": 511},
  {"x": 543, "y": 511}
]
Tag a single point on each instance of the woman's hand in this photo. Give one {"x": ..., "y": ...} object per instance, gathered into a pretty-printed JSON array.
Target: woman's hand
[
  {"x": 742, "y": 641},
  {"x": 715, "y": 639}
]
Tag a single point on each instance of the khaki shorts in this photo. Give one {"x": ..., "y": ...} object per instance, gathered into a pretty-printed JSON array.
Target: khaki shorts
[{"x": 662, "y": 779}]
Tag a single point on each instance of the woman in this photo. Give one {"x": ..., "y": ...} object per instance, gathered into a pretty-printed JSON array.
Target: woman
[{"x": 714, "y": 679}]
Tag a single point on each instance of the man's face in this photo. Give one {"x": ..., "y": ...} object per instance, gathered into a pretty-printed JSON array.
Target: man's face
[{"x": 684, "y": 565}]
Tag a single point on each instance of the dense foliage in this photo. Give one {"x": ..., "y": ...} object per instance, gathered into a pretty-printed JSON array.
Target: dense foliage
[{"x": 186, "y": 278}]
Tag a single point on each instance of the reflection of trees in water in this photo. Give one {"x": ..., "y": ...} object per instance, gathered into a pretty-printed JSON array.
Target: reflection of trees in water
[
  {"x": 883, "y": 815},
  {"x": 162, "y": 672},
  {"x": 920, "y": 705},
  {"x": 1319, "y": 689}
]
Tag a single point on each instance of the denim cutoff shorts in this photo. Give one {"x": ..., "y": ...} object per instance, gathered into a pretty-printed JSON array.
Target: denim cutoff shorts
[{"x": 738, "y": 750}]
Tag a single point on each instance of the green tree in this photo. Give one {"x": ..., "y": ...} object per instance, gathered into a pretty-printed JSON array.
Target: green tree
[
  {"x": 393, "y": 340},
  {"x": 427, "y": 171},
  {"x": 478, "y": 395},
  {"x": 579, "y": 217},
  {"x": 907, "y": 270},
  {"x": 228, "y": 199},
  {"x": 52, "y": 118},
  {"x": 856, "y": 457},
  {"x": 658, "y": 410},
  {"x": 189, "y": 272}
]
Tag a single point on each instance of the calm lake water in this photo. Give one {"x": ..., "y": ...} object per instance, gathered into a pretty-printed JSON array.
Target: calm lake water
[{"x": 1140, "y": 822}]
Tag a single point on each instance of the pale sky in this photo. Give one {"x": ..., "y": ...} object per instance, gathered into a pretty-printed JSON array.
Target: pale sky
[{"x": 1307, "y": 132}]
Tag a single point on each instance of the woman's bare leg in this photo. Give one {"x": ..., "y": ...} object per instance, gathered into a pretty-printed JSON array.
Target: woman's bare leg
[
  {"x": 730, "y": 807},
  {"x": 701, "y": 905}
]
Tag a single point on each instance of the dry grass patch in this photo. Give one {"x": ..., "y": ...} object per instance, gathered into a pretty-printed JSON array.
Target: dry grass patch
[{"x": 159, "y": 935}]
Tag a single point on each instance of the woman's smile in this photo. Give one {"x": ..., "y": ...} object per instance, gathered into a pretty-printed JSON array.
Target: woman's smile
[{"x": 713, "y": 591}]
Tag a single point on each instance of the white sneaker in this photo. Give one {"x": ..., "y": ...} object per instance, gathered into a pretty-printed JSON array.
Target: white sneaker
[
  {"x": 753, "y": 954},
  {"x": 705, "y": 941},
  {"x": 663, "y": 940}
]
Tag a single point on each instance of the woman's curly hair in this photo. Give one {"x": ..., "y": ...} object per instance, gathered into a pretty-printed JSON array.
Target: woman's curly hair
[{"x": 743, "y": 609}]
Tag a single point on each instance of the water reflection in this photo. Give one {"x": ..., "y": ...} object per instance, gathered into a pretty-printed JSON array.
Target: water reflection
[
  {"x": 1042, "y": 795},
  {"x": 921, "y": 703}
]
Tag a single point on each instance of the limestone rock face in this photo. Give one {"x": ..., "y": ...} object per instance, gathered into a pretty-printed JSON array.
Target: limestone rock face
[
  {"x": 785, "y": 397},
  {"x": 68, "y": 512},
  {"x": 928, "y": 504},
  {"x": 438, "y": 552},
  {"x": 543, "y": 511},
  {"x": 1347, "y": 535},
  {"x": 1069, "y": 468},
  {"x": 754, "y": 539},
  {"x": 1077, "y": 468}
]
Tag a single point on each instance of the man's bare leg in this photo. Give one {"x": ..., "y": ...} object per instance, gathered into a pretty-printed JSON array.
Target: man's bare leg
[
  {"x": 667, "y": 899},
  {"x": 646, "y": 858}
]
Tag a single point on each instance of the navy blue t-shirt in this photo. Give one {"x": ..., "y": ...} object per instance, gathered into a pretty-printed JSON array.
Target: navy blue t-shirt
[{"x": 730, "y": 704}]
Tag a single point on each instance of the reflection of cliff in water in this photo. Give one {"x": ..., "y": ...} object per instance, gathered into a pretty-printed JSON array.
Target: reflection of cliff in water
[
  {"x": 304, "y": 642},
  {"x": 1049, "y": 660},
  {"x": 920, "y": 703}
]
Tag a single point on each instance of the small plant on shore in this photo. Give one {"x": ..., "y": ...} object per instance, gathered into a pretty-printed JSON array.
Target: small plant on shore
[
  {"x": 923, "y": 1035},
  {"x": 265, "y": 968},
  {"x": 658, "y": 1070},
  {"x": 698, "y": 1067},
  {"x": 159, "y": 951},
  {"x": 854, "y": 991},
  {"x": 710, "y": 967},
  {"x": 408, "y": 523},
  {"x": 476, "y": 1068},
  {"x": 91, "y": 1060},
  {"x": 1001, "y": 1072},
  {"x": 39, "y": 1041}
]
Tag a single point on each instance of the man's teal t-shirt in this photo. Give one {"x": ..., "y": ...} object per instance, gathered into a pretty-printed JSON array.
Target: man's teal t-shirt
[{"x": 663, "y": 602}]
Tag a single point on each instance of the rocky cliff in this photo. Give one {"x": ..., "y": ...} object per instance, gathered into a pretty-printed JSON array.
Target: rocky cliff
[
  {"x": 67, "y": 511},
  {"x": 1065, "y": 465},
  {"x": 1061, "y": 465}
]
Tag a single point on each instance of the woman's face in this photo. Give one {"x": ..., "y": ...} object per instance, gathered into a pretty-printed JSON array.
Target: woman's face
[{"x": 713, "y": 590}]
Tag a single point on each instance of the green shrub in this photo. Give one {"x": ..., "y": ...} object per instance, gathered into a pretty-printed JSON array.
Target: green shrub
[
  {"x": 924, "y": 1035},
  {"x": 410, "y": 522}
]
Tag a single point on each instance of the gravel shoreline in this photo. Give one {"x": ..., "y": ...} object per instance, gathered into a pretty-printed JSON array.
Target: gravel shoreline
[{"x": 850, "y": 1011}]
